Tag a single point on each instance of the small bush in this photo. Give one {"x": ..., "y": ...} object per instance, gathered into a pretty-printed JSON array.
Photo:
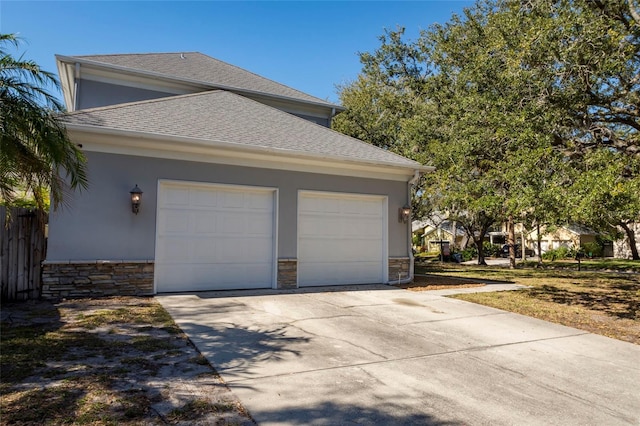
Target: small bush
[
  {"x": 592, "y": 249},
  {"x": 550, "y": 255},
  {"x": 491, "y": 250},
  {"x": 559, "y": 253},
  {"x": 469, "y": 253}
]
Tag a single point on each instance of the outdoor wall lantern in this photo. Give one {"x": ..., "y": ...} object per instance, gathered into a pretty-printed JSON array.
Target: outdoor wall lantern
[
  {"x": 136, "y": 195},
  {"x": 404, "y": 213}
]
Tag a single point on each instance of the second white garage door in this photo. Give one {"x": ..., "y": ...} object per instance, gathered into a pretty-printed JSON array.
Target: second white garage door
[
  {"x": 341, "y": 238},
  {"x": 213, "y": 237}
]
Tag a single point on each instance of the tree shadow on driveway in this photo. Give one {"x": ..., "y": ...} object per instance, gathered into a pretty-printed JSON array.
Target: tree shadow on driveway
[{"x": 234, "y": 349}]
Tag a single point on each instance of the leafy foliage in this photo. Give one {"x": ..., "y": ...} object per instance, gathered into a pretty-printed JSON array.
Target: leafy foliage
[
  {"x": 606, "y": 193},
  {"x": 591, "y": 249},
  {"x": 559, "y": 253},
  {"x": 34, "y": 146},
  {"x": 518, "y": 105}
]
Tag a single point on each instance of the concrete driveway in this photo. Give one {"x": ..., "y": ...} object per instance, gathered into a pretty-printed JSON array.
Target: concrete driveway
[{"x": 380, "y": 355}]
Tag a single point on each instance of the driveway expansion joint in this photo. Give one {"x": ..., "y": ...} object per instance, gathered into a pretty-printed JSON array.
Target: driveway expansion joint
[{"x": 414, "y": 357}]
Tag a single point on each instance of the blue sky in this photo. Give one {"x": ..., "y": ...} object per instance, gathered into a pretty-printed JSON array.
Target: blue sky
[{"x": 309, "y": 45}]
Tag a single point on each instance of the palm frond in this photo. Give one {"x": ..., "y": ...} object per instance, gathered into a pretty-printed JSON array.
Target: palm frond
[{"x": 34, "y": 146}]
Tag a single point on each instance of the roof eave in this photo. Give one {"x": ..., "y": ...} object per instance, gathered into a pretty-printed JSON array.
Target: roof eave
[{"x": 409, "y": 169}]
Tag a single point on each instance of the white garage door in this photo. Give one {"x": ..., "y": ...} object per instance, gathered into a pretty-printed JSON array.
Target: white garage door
[
  {"x": 341, "y": 238},
  {"x": 214, "y": 237}
]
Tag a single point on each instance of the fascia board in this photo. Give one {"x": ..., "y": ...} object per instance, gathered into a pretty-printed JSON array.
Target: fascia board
[
  {"x": 127, "y": 77},
  {"x": 291, "y": 107},
  {"x": 145, "y": 144},
  {"x": 66, "y": 73},
  {"x": 90, "y": 73},
  {"x": 129, "y": 71}
]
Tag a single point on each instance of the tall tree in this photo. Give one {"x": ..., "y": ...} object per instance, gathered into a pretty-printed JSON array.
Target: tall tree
[
  {"x": 596, "y": 64},
  {"x": 595, "y": 58},
  {"x": 465, "y": 110},
  {"x": 506, "y": 101},
  {"x": 34, "y": 146}
]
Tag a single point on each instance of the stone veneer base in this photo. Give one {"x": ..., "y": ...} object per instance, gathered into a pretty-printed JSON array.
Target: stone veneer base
[
  {"x": 287, "y": 273},
  {"x": 399, "y": 268},
  {"x": 135, "y": 278},
  {"x": 73, "y": 279}
]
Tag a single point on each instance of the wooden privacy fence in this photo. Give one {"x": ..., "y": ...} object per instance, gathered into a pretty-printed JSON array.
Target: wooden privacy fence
[{"x": 22, "y": 250}]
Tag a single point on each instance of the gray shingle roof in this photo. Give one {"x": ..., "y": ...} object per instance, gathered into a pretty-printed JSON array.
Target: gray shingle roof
[
  {"x": 221, "y": 116},
  {"x": 197, "y": 67}
]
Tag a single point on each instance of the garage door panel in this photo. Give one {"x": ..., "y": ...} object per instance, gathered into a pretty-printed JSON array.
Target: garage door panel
[
  {"x": 173, "y": 248},
  {"x": 356, "y": 208},
  {"x": 340, "y": 239},
  {"x": 367, "y": 251},
  {"x": 258, "y": 226},
  {"x": 173, "y": 221},
  {"x": 229, "y": 223},
  {"x": 316, "y": 225},
  {"x": 339, "y": 251},
  {"x": 175, "y": 197},
  {"x": 261, "y": 202},
  {"x": 231, "y": 200},
  {"x": 203, "y": 198},
  {"x": 319, "y": 204},
  {"x": 257, "y": 245},
  {"x": 203, "y": 222},
  {"x": 222, "y": 237},
  {"x": 339, "y": 272},
  {"x": 200, "y": 276}
]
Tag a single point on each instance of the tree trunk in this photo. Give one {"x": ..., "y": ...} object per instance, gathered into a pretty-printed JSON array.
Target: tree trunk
[
  {"x": 479, "y": 242},
  {"x": 632, "y": 240},
  {"x": 539, "y": 238},
  {"x": 480, "y": 248},
  {"x": 511, "y": 242},
  {"x": 454, "y": 227}
]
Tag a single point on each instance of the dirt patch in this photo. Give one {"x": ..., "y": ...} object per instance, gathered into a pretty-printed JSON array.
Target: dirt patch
[
  {"x": 119, "y": 360},
  {"x": 437, "y": 282}
]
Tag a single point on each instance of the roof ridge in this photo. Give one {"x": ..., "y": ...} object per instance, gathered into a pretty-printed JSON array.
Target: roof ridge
[
  {"x": 133, "y": 54},
  {"x": 295, "y": 94},
  {"x": 146, "y": 101},
  {"x": 263, "y": 77}
]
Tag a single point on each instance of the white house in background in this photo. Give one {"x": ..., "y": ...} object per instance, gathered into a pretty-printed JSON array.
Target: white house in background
[{"x": 243, "y": 184}]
